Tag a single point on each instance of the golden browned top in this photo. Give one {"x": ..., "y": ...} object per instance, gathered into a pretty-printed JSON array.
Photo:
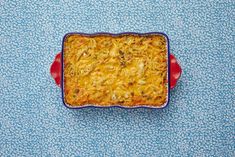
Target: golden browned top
[{"x": 125, "y": 70}]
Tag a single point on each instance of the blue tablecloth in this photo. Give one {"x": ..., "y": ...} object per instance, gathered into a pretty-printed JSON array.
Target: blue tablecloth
[{"x": 199, "y": 120}]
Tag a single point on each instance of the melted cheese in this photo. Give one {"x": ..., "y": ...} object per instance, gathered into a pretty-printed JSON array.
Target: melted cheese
[{"x": 106, "y": 70}]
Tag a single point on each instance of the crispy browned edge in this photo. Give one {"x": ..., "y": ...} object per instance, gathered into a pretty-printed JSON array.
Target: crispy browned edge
[{"x": 136, "y": 101}]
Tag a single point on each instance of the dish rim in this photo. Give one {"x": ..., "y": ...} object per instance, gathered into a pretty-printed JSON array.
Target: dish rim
[{"x": 116, "y": 105}]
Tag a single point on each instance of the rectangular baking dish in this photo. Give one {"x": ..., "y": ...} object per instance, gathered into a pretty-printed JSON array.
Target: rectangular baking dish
[{"x": 116, "y": 35}]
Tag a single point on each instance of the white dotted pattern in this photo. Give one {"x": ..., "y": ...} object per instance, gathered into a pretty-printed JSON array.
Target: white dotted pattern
[{"x": 199, "y": 120}]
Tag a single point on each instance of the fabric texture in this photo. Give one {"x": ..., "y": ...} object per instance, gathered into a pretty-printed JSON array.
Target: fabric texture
[{"x": 199, "y": 120}]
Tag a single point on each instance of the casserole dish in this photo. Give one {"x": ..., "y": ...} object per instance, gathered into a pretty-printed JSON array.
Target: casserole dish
[{"x": 127, "y": 70}]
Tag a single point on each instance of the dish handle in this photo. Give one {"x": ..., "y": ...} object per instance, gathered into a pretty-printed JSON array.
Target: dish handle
[{"x": 175, "y": 70}]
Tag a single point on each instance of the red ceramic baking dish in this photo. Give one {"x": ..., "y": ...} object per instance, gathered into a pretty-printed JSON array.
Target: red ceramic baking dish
[{"x": 75, "y": 44}]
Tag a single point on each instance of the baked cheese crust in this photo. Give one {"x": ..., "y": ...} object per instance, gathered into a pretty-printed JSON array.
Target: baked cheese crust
[{"x": 126, "y": 70}]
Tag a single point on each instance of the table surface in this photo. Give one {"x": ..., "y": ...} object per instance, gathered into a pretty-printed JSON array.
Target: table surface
[{"x": 199, "y": 121}]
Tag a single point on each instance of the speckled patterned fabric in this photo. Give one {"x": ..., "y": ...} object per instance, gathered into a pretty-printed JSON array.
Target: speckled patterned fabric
[{"x": 199, "y": 121}]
